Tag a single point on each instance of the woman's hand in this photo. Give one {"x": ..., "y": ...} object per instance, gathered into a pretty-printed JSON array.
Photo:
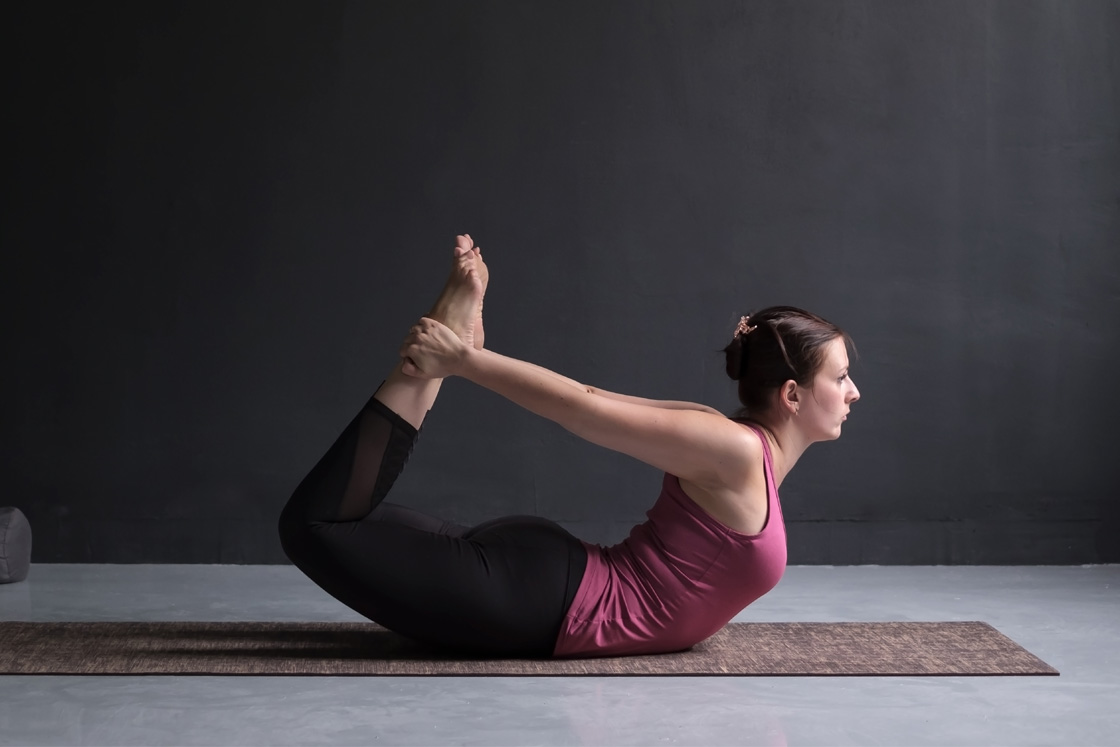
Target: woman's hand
[{"x": 432, "y": 350}]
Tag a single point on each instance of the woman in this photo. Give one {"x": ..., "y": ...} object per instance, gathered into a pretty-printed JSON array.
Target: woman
[{"x": 523, "y": 586}]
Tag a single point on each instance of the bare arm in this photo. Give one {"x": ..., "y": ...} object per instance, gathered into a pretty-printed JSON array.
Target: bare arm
[
  {"x": 666, "y": 404},
  {"x": 699, "y": 446}
]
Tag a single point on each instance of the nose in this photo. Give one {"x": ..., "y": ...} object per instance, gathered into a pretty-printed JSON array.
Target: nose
[{"x": 854, "y": 394}]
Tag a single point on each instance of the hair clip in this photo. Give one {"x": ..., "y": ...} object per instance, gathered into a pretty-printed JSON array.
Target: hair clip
[{"x": 744, "y": 327}]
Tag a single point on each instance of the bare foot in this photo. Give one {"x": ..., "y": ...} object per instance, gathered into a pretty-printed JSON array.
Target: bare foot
[
  {"x": 459, "y": 306},
  {"x": 484, "y": 273}
]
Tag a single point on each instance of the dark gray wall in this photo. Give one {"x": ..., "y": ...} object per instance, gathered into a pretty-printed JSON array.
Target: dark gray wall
[{"x": 221, "y": 222}]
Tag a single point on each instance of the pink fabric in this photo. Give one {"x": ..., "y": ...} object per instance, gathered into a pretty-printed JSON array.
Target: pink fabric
[{"x": 677, "y": 579}]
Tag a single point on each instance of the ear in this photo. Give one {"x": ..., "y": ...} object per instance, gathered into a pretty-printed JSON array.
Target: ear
[{"x": 788, "y": 397}]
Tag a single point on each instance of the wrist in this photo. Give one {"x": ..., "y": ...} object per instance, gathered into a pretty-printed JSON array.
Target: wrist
[{"x": 468, "y": 363}]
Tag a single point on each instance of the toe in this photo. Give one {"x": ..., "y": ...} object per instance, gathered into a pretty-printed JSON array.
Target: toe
[{"x": 463, "y": 244}]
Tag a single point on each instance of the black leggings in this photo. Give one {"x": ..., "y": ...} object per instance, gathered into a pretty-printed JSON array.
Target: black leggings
[{"x": 501, "y": 588}]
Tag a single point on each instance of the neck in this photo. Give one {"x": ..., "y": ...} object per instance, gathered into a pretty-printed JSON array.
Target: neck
[{"x": 787, "y": 443}]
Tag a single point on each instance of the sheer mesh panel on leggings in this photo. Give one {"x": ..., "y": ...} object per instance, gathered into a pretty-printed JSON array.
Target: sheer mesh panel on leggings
[{"x": 360, "y": 468}]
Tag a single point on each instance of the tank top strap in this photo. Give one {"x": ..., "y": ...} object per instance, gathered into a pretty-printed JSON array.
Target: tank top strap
[{"x": 768, "y": 467}]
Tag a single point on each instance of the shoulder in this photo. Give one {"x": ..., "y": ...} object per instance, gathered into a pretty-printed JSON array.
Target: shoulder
[
  {"x": 741, "y": 455},
  {"x": 749, "y": 454},
  {"x": 752, "y": 435},
  {"x": 738, "y": 498}
]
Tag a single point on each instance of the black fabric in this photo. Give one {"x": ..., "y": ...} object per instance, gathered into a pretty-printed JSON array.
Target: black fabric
[{"x": 500, "y": 588}]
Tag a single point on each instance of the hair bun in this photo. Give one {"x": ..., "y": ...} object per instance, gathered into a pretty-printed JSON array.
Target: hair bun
[{"x": 736, "y": 356}]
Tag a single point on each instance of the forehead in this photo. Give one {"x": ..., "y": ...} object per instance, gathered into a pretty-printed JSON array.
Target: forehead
[{"x": 837, "y": 355}]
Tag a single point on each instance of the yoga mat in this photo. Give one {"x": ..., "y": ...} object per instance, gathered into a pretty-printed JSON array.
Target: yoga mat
[{"x": 335, "y": 649}]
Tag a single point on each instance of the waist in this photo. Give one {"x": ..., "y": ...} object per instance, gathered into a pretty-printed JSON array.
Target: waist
[{"x": 623, "y": 607}]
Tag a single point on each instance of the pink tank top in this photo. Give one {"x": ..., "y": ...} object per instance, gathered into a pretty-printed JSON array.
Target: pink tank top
[{"x": 677, "y": 579}]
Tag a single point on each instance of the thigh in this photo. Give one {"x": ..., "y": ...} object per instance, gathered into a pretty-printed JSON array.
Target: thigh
[
  {"x": 501, "y": 589},
  {"x": 395, "y": 514}
]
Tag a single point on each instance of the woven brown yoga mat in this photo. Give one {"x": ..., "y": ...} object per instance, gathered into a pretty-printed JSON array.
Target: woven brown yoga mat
[{"x": 335, "y": 649}]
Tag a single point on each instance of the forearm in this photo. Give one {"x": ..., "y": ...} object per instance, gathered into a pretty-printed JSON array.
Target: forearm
[
  {"x": 664, "y": 404},
  {"x": 547, "y": 393},
  {"x": 537, "y": 389},
  {"x": 558, "y": 377}
]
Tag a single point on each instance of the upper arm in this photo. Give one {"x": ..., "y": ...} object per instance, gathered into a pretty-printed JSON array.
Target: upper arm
[{"x": 696, "y": 445}]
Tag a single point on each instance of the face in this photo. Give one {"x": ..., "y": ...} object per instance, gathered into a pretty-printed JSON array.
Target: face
[{"x": 823, "y": 409}]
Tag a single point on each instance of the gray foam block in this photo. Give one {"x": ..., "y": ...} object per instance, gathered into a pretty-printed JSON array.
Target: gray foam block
[{"x": 15, "y": 545}]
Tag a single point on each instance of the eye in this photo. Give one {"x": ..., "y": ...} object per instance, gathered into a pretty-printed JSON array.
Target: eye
[{"x": 843, "y": 377}]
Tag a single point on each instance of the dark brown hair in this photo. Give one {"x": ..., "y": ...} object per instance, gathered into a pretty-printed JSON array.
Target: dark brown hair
[{"x": 787, "y": 343}]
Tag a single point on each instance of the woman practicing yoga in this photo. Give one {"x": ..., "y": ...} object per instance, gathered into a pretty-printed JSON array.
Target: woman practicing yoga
[{"x": 523, "y": 586}]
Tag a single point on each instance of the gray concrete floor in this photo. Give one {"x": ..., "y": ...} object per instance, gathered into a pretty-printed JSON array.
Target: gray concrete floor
[{"x": 1068, "y": 616}]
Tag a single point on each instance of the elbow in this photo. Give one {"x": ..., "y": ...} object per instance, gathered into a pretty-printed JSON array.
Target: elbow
[{"x": 582, "y": 413}]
